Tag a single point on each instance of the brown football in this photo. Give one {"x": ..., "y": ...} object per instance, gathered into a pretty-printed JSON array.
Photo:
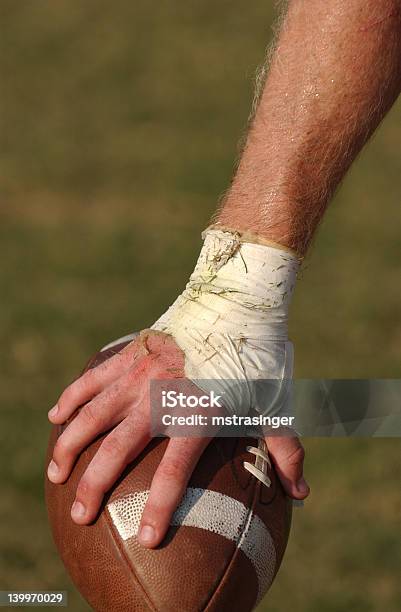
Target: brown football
[{"x": 223, "y": 549}]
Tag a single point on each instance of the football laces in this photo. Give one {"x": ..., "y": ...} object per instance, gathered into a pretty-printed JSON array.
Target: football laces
[{"x": 262, "y": 463}]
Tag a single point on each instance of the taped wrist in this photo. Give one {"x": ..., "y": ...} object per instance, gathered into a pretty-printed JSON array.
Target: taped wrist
[{"x": 231, "y": 322}]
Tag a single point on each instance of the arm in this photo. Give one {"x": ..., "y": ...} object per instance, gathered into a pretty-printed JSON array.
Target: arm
[{"x": 334, "y": 74}]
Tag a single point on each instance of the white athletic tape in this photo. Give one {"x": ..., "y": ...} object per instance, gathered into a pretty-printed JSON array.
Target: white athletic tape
[
  {"x": 231, "y": 322},
  {"x": 213, "y": 512}
]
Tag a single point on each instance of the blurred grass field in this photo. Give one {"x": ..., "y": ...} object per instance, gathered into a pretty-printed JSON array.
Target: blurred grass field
[{"x": 119, "y": 126}]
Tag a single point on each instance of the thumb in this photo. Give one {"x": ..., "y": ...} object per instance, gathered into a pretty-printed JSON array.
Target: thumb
[{"x": 287, "y": 454}]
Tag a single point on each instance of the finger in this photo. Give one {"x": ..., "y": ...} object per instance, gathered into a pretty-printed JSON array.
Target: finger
[
  {"x": 93, "y": 381},
  {"x": 168, "y": 486},
  {"x": 96, "y": 417},
  {"x": 118, "y": 449},
  {"x": 288, "y": 454}
]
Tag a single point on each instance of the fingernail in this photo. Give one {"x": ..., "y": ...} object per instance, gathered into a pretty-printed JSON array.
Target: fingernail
[
  {"x": 52, "y": 470},
  {"x": 78, "y": 509},
  {"x": 53, "y": 411},
  {"x": 147, "y": 535},
  {"x": 302, "y": 486}
]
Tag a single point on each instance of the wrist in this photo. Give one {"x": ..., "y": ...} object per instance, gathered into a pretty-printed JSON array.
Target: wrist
[
  {"x": 240, "y": 286},
  {"x": 268, "y": 218},
  {"x": 249, "y": 233}
]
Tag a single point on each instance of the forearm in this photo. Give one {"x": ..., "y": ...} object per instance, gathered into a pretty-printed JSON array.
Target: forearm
[{"x": 334, "y": 74}]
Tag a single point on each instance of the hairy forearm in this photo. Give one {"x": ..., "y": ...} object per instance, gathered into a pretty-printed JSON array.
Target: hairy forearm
[{"x": 334, "y": 73}]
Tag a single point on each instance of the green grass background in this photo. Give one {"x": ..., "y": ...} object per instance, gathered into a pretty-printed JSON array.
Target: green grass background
[{"x": 119, "y": 125}]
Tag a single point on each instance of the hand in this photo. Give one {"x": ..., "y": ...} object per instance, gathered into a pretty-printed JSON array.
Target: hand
[{"x": 115, "y": 397}]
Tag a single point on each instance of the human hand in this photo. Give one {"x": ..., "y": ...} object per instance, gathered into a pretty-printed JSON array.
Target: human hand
[{"x": 115, "y": 397}]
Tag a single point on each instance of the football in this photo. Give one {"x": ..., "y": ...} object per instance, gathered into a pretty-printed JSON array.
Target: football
[{"x": 222, "y": 551}]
